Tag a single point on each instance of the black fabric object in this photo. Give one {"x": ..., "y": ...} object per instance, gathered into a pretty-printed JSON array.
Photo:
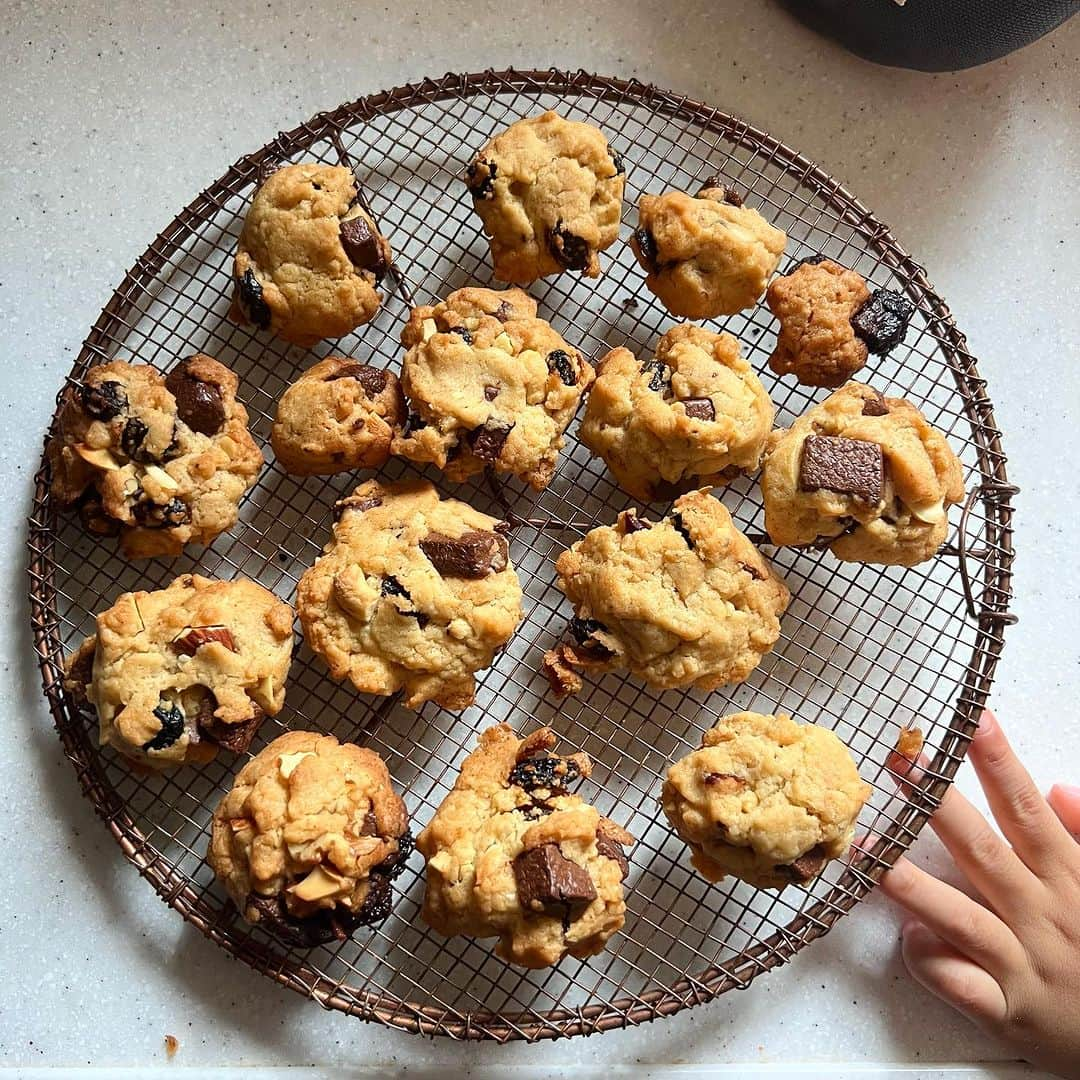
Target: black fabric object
[{"x": 933, "y": 35}]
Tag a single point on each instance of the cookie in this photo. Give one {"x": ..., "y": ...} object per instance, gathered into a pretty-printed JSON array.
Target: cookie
[
  {"x": 178, "y": 673},
  {"x": 830, "y": 322},
  {"x": 549, "y": 192},
  {"x": 696, "y": 415},
  {"x": 309, "y": 257},
  {"x": 865, "y": 476},
  {"x": 511, "y": 853},
  {"x": 309, "y": 838},
  {"x": 163, "y": 461},
  {"x": 491, "y": 386},
  {"x": 707, "y": 255},
  {"x": 338, "y": 416},
  {"x": 687, "y": 601},
  {"x": 412, "y": 593},
  {"x": 765, "y": 800}
]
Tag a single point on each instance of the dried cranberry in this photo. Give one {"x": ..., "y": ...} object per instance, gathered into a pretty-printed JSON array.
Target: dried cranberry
[
  {"x": 550, "y": 772},
  {"x": 249, "y": 293},
  {"x": 568, "y": 250},
  {"x": 584, "y": 632},
  {"x": 559, "y": 360},
  {"x": 104, "y": 400},
  {"x": 646, "y": 245},
  {"x": 132, "y": 439}
]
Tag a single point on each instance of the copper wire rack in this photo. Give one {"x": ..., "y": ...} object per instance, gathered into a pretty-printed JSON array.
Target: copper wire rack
[{"x": 866, "y": 651}]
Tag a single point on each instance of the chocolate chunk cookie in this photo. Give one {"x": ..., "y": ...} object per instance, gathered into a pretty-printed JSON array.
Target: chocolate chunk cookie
[
  {"x": 177, "y": 673},
  {"x": 310, "y": 837},
  {"x": 696, "y": 415},
  {"x": 309, "y": 258},
  {"x": 687, "y": 601},
  {"x": 765, "y": 799},
  {"x": 549, "y": 192},
  {"x": 161, "y": 461},
  {"x": 705, "y": 256},
  {"x": 413, "y": 593},
  {"x": 490, "y": 385},
  {"x": 512, "y": 853},
  {"x": 338, "y": 416},
  {"x": 830, "y": 322},
  {"x": 865, "y": 475}
]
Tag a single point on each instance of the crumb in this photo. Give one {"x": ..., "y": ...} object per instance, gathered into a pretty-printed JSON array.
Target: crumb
[
  {"x": 172, "y": 1044},
  {"x": 560, "y": 674},
  {"x": 910, "y": 743}
]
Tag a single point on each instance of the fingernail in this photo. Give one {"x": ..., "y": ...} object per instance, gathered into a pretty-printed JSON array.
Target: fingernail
[
  {"x": 987, "y": 723},
  {"x": 1069, "y": 790}
]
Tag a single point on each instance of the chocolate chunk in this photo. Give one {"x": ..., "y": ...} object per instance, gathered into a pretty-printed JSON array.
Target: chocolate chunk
[
  {"x": 462, "y": 332},
  {"x": 487, "y": 440},
  {"x": 632, "y": 523},
  {"x": 679, "y": 526},
  {"x": 617, "y": 162},
  {"x": 171, "y": 717},
  {"x": 847, "y": 466},
  {"x": 480, "y": 178},
  {"x": 195, "y": 637},
  {"x": 394, "y": 863},
  {"x": 371, "y": 825},
  {"x": 699, "y": 408},
  {"x": 545, "y": 878},
  {"x": 646, "y": 248},
  {"x": 152, "y": 515},
  {"x": 611, "y": 849},
  {"x": 132, "y": 438},
  {"x": 378, "y": 902},
  {"x": 358, "y": 503},
  {"x": 236, "y": 737},
  {"x": 103, "y": 401},
  {"x": 271, "y": 913},
  {"x": 559, "y": 360},
  {"x": 546, "y": 772},
  {"x": 659, "y": 375},
  {"x": 875, "y": 405},
  {"x": 504, "y": 311},
  {"x": 491, "y": 393},
  {"x": 199, "y": 404},
  {"x": 882, "y": 321},
  {"x": 665, "y": 490},
  {"x": 474, "y": 554},
  {"x": 249, "y": 295},
  {"x": 372, "y": 379},
  {"x": 363, "y": 245},
  {"x": 806, "y": 867},
  {"x": 568, "y": 250}
]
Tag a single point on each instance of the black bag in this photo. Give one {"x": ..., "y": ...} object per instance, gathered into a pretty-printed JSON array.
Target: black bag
[{"x": 933, "y": 35}]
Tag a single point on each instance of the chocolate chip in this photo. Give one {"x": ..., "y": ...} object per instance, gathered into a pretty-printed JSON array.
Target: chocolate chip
[
  {"x": 474, "y": 554},
  {"x": 699, "y": 408},
  {"x": 171, "y": 717},
  {"x": 462, "y": 332},
  {"x": 882, "y": 321},
  {"x": 504, "y": 311},
  {"x": 584, "y": 632},
  {"x": 546, "y": 878},
  {"x": 568, "y": 250},
  {"x": 847, "y": 466},
  {"x": 660, "y": 377},
  {"x": 491, "y": 393},
  {"x": 357, "y": 503},
  {"x": 392, "y": 587},
  {"x": 480, "y": 178},
  {"x": 487, "y": 440},
  {"x": 199, "y": 404},
  {"x": 151, "y": 515},
  {"x": 617, "y": 162},
  {"x": 362, "y": 245},
  {"x": 547, "y": 772},
  {"x": 132, "y": 438},
  {"x": 632, "y": 523},
  {"x": 874, "y": 404},
  {"x": 611, "y": 849},
  {"x": 646, "y": 246},
  {"x": 236, "y": 737},
  {"x": 559, "y": 360},
  {"x": 679, "y": 526},
  {"x": 249, "y": 294},
  {"x": 806, "y": 867},
  {"x": 103, "y": 401},
  {"x": 195, "y": 637}
]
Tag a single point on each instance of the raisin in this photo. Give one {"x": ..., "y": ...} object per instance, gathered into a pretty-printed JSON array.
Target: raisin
[
  {"x": 462, "y": 332},
  {"x": 104, "y": 400},
  {"x": 584, "y": 632},
  {"x": 132, "y": 439},
  {"x": 151, "y": 515},
  {"x": 568, "y": 250},
  {"x": 810, "y": 260},
  {"x": 249, "y": 293},
  {"x": 551, "y": 773},
  {"x": 660, "y": 379},
  {"x": 883, "y": 320},
  {"x": 392, "y": 587},
  {"x": 559, "y": 360},
  {"x": 480, "y": 178},
  {"x": 172, "y": 726},
  {"x": 617, "y": 162},
  {"x": 646, "y": 246},
  {"x": 504, "y": 311},
  {"x": 95, "y": 520},
  {"x": 679, "y": 526}
]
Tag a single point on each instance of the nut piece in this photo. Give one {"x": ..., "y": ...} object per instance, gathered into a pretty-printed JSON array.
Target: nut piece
[
  {"x": 288, "y": 762},
  {"x": 190, "y": 640},
  {"x": 100, "y": 459},
  {"x": 320, "y": 884}
]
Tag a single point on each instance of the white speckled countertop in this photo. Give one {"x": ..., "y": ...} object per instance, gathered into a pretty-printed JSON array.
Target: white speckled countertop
[{"x": 116, "y": 113}]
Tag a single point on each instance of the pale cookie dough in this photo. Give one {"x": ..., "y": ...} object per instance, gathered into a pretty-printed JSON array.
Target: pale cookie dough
[
  {"x": 765, "y": 800},
  {"x": 696, "y": 415},
  {"x": 412, "y": 593},
  {"x": 175, "y": 674},
  {"x": 309, "y": 258},
  {"x": 490, "y": 386},
  {"x": 705, "y": 256},
  {"x": 687, "y": 601},
  {"x": 310, "y": 837},
  {"x": 338, "y": 416},
  {"x": 864, "y": 475},
  {"x": 549, "y": 192},
  {"x": 163, "y": 461},
  {"x": 511, "y": 853}
]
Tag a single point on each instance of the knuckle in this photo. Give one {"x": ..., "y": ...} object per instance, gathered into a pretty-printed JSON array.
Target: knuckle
[
  {"x": 986, "y": 848},
  {"x": 1029, "y": 804}
]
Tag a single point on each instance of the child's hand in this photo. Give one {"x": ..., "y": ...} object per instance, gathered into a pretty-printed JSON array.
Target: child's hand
[{"x": 1012, "y": 963}]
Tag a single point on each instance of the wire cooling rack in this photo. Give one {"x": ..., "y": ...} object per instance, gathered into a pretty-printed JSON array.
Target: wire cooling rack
[{"x": 865, "y": 650}]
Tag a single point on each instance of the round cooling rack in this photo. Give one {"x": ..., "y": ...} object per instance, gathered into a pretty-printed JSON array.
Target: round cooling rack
[{"x": 866, "y": 651}]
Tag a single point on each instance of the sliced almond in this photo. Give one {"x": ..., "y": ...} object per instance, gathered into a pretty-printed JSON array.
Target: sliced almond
[
  {"x": 932, "y": 513},
  {"x": 289, "y": 762},
  {"x": 100, "y": 459},
  {"x": 161, "y": 478},
  {"x": 193, "y": 638},
  {"x": 240, "y": 824},
  {"x": 429, "y": 329},
  {"x": 320, "y": 884}
]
